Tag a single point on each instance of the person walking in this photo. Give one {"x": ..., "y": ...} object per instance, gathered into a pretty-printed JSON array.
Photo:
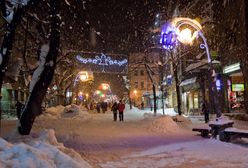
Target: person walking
[
  {"x": 98, "y": 107},
  {"x": 205, "y": 111},
  {"x": 19, "y": 107},
  {"x": 121, "y": 108},
  {"x": 114, "y": 108}
]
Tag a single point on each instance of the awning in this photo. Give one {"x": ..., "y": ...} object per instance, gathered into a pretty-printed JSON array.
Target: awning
[
  {"x": 202, "y": 64},
  {"x": 188, "y": 81},
  {"x": 196, "y": 65}
]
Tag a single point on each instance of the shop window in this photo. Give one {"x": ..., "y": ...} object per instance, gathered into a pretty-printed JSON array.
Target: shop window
[
  {"x": 142, "y": 85},
  {"x": 136, "y": 85},
  {"x": 135, "y": 73},
  {"x": 196, "y": 104},
  {"x": 142, "y": 72}
]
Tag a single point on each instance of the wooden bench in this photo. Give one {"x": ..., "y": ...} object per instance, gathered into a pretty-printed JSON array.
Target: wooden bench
[
  {"x": 233, "y": 133},
  {"x": 204, "y": 130},
  {"x": 218, "y": 126}
]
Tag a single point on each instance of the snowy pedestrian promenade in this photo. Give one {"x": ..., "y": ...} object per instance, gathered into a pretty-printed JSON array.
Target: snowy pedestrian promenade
[{"x": 142, "y": 140}]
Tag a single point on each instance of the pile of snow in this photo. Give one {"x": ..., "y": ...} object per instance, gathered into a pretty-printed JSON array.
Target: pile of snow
[
  {"x": 55, "y": 111},
  {"x": 180, "y": 118},
  {"x": 164, "y": 124},
  {"x": 70, "y": 111},
  {"x": 74, "y": 111},
  {"x": 42, "y": 151}
]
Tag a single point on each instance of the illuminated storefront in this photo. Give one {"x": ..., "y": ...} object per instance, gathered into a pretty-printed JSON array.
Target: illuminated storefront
[{"x": 235, "y": 87}]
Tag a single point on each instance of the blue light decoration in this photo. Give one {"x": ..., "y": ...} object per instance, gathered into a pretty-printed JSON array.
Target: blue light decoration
[
  {"x": 169, "y": 79},
  {"x": 218, "y": 82},
  {"x": 81, "y": 97},
  {"x": 168, "y": 37},
  {"x": 101, "y": 60}
]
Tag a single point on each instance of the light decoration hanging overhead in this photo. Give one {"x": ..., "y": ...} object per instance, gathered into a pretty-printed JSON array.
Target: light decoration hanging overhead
[
  {"x": 101, "y": 60},
  {"x": 168, "y": 37}
]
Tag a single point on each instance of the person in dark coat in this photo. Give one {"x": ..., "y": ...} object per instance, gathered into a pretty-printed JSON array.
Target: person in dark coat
[
  {"x": 142, "y": 105},
  {"x": 114, "y": 108},
  {"x": 205, "y": 111},
  {"x": 98, "y": 107},
  {"x": 19, "y": 107},
  {"x": 121, "y": 108}
]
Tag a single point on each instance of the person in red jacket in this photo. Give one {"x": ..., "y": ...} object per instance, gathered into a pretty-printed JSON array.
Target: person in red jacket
[{"x": 121, "y": 108}]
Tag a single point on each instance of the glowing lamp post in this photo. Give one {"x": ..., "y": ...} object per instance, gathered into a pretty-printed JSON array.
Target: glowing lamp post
[
  {"x": 135, "y": 95},
  {"x": 186, "y": 36},
  {"x": 172, "y": 32},
  {"x": 87, "y": 96},
  {"x": 83, "y": 76}
]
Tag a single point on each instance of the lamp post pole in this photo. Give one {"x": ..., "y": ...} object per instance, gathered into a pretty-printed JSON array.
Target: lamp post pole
[{"x": 174, "y": 29}]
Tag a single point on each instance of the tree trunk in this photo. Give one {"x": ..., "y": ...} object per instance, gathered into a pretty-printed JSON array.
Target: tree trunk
[
  {"x": 244, "y": 61},
  {"x": 33, "y": 105},
  {"x": 245, "y": 74},
  {"x": 154, "y": 99},
  {"x": 130, "y": 101},
  {"x": 162, "y": 97},
  {"x": 177, "y": 91}
]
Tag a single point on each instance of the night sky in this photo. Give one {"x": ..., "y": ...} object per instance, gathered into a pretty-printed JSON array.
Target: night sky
[{"x": 123, "y": 24}]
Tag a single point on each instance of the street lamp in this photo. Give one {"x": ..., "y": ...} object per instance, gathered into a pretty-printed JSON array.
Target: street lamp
[
  {"x": 87, "y": 96},
  {"x": 135, "y": 96},
  {"x": 173, "y": 32},
  {"x": 83, "y": 76},
  {"x": 184, "y": 34}
]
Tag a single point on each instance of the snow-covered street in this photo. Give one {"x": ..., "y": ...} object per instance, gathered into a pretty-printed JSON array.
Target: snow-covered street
[{"x": 140, "y": 141}]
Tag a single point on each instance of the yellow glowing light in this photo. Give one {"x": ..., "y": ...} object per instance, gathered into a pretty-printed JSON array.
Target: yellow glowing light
[
  {"x": 83, "y": 75},
  {"x": 87, "y": 95},
  {"x": 186, "y": 36},
  {"x": 80, "y": 93},
  {"x": 105, "y": 86},
  {"x": 135, "y": 92},
  {"x": 103, "y": 96},
  {"x": 98, "y": 92}
]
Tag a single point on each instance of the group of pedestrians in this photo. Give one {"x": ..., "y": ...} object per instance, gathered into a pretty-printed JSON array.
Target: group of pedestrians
[
  {"x": 118, "y": 107},
  {"x": 103, "y": 106}
]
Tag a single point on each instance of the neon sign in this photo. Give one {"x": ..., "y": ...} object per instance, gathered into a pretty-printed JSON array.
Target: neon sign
[{"x": 102, "y": 60}]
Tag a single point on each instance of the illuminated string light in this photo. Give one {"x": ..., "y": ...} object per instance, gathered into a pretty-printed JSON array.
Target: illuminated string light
[{"x": 102, "y": 60}]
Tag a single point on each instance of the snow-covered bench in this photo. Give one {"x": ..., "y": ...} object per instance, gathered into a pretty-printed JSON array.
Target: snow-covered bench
[
  {"x": 232, "y": 133},
  {"x": 204, "y": 130}
]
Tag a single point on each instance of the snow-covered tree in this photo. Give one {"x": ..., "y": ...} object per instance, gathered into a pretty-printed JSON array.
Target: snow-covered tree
[{"x": 43, "y": 75}]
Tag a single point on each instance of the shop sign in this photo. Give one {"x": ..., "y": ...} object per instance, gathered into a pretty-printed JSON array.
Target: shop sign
[
  {"x": 231, "y": 68},
  {"x": 238, "y": 87}
]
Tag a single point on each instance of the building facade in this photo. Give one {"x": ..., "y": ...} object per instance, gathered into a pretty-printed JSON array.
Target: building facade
[{"x": 141, "y": 86}]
